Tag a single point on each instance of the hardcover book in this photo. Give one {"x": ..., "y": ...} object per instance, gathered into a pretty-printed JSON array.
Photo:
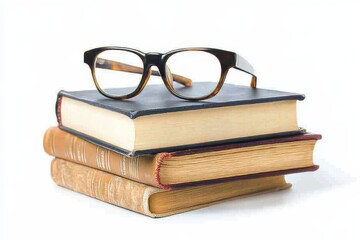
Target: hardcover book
[
  {"x": 151, "y": 201},
  {"x": 196, "y": 166},
  {"x": 157, "y": 121}
]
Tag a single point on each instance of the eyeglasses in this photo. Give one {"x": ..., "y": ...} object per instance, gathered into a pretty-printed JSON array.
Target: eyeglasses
[{"x": 188, "y": 73}]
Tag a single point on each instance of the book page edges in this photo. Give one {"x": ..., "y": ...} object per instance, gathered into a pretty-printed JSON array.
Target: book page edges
[
  {"x": 259, "y": 119},
  {"x": 275, "y": 189}
]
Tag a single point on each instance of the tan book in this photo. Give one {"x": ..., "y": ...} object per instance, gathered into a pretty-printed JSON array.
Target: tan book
[
  {"x": 246, "y": 160},
  {"x": 151, "y": 201}
]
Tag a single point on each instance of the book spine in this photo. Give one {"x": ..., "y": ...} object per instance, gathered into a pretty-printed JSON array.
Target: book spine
[
  {"x": 58, "y": 109},
  {"x": 144, "y": 169},
  {"x": 103, "y": 186}
]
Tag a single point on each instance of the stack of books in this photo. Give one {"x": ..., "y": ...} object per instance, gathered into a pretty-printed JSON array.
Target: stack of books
[{"x": 158, "y": 155}]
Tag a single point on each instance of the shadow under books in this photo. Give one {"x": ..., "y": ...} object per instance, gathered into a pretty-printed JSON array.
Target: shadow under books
[{"x": 327, "y": 177}]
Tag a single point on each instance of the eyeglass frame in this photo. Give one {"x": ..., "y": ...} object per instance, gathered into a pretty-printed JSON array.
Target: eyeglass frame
[{"x": 227, "y": 60}]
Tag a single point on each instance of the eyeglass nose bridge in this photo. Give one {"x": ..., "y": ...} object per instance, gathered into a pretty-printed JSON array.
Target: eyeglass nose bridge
[
  {"x": 153, "y": 59},
  {"x": 156, "y": 59}
]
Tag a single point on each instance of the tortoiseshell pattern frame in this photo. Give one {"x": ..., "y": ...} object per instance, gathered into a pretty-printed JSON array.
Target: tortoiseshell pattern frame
[{"x": 227, "y": 60}]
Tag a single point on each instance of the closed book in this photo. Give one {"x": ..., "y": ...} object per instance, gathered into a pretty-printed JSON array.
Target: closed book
[
  {"x": 156, "y": 121},
  {"x": 195, "y": 166},
  {"x": 151, "y": 201}
]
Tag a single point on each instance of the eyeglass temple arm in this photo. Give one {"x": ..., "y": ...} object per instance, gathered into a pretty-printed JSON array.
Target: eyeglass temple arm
[
  {"x": 118, "y": 66},
  {"x": 243, "y": 65}
]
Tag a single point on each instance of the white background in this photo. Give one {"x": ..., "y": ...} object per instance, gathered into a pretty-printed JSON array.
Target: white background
[{"x": 310, "y": 47}]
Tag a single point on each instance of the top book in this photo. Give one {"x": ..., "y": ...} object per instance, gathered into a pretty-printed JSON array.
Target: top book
[{"x": 157, "y": 121}]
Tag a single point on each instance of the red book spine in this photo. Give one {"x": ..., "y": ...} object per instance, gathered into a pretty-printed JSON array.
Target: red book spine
[{"x": 58, "y": 110}]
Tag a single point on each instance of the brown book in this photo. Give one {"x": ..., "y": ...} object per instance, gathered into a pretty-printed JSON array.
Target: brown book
[
  {"x": 151, "y": 201},
  {"x": 254, "y": 159}
]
